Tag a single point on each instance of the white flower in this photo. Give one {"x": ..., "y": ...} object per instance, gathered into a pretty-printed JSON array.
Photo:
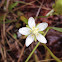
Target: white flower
[{"x": 33, "y": 31}]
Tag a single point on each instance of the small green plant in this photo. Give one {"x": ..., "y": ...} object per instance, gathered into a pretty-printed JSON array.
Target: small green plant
[{"x": 58, "y": 7}]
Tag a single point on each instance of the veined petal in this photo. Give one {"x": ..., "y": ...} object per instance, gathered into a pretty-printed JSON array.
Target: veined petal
[
  {"x": 24, "y": 30},
  {"x": 42, "y": 26},
  {"x": 31, "y": 22},
  {"x": 29, "y": 40},
  {"x": 41, "y": 38}
]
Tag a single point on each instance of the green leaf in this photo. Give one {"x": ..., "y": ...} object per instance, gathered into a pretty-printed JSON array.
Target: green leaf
[
  {"x": 13, "y": 5},
  {"x": 15, "y": 36},
  {"x": 24, "y": 19},
  {"x": 56, "y": 28},
  {"x": 58, "y": 7}
]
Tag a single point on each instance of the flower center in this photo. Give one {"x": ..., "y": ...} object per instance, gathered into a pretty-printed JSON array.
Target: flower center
[{"x": 35, "y": 30}]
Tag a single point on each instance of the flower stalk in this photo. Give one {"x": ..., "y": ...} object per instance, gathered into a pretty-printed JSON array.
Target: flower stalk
[{"x": 32, "y": 52}]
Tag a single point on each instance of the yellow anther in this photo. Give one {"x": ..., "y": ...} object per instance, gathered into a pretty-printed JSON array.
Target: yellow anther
[
  {"x": 35, "y": 30},
  {"x": 33, "y": 27},
  {"x": 32, "y": 35},
  {"x": 30, "y": 30}
]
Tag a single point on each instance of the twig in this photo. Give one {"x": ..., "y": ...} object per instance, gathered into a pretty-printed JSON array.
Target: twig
[
  {"x": 24, "y": 5},
  {"x": 43, "y": 7},
  {"x": 4, "y": 29},
  {"x": 21, "y": 53},
  {"x": 10, "y": 58},
  {"x": 50, "y": 13},
  {"x": 1, "y": 52},
  {"x": 2, "y": 3},
  {"x": 15, "y": 39},
  {"x": 47, "y": 60},
  {"x": 38, "y": 11}
]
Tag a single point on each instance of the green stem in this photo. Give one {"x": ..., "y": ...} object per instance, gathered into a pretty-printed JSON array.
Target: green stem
[
  {"x": 46, "y": 31},
  {"x": 32, "y": 52},
  {"x": 58, "y": 60}
]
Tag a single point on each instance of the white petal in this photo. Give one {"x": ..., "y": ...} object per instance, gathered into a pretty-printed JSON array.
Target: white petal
[
  {"x": 41, "y": 38},
  {"x": 31, "y": 22},
  {"x": 42, "y": 26},
  {"x": 24, "y": 30},
  {"x": 29, "y": 40}
]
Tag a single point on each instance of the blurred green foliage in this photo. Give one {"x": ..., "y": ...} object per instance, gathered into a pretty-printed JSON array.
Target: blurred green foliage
[
  {"x": 11, "y": 6},
  {"x": 58, "y": 7},
  {"x": 15, "y": 36},
  {"x": 56, "y": 28},
  {"x": 24, "y": 19}
]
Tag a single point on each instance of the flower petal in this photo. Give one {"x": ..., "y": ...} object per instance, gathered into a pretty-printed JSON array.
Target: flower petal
[
  {"x": 24, "y": 30},
  {"x": 31, "y": 22},
  {"x": 29, "y": 40},
  {"x": 42, "y": 26},
  {"x": 41, "y": 38}
]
